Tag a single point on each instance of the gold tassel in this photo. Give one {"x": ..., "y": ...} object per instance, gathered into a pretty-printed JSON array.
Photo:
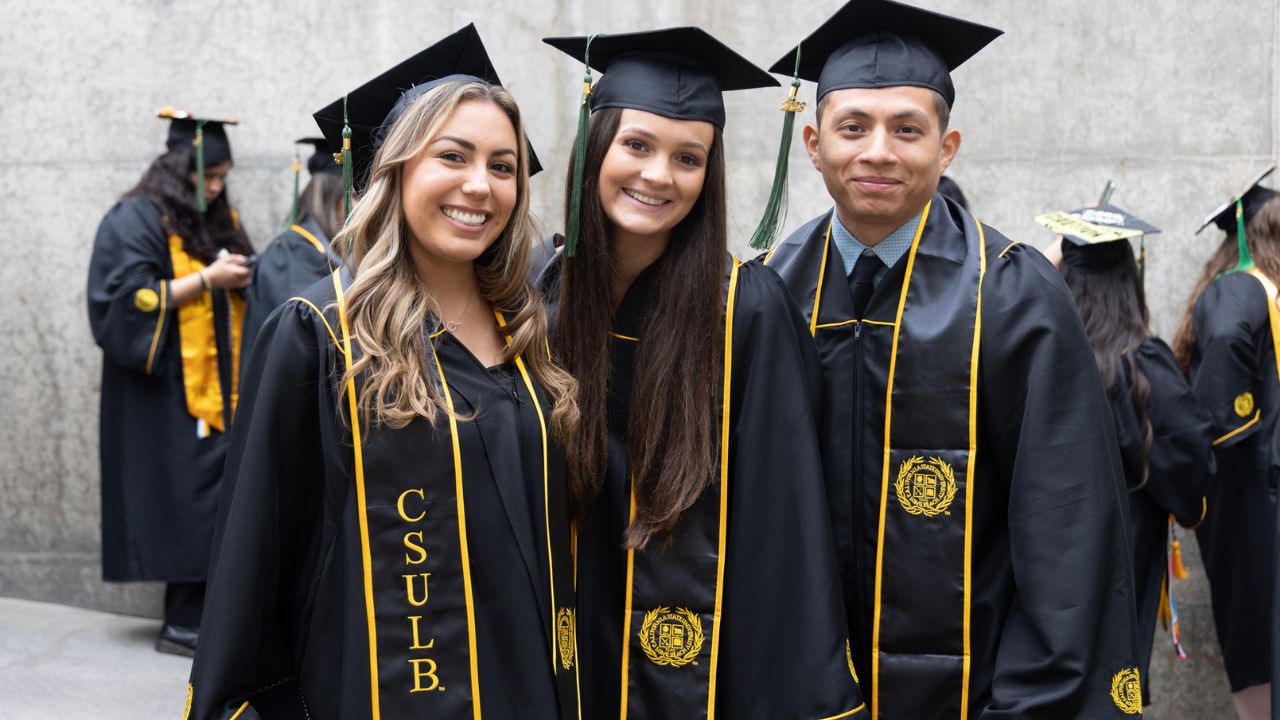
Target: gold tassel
[
  {"x": 1164, "y": 613},
  {"x": 1179, "y": 570}
]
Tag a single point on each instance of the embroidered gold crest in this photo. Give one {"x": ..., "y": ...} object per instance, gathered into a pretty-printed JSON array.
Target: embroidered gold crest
[
  {"x": 669, "y": 638},
  {"x": 925, "y": 487},
  {"x": 1126, "y": 691},
  {"x": 146, "y": 299},
  {"x": 566, "y": 632},
  {"x": 1244, "y": 404}
]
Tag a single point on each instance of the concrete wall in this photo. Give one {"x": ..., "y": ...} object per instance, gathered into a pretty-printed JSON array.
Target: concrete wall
[{"x": 1178, "y": 101}]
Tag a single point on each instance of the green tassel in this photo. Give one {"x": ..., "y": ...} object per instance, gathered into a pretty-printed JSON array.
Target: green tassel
[
  {"x": 297, "y": 197},
  {"x": 348, "y": 172},
  {"x": 201, "y": 206},
  {"x": 775, "y": 210},
  {"x": 1142, "y": 260},
  {"x": 1245, "y": 263},
  {"x": 573, "y": 223}
]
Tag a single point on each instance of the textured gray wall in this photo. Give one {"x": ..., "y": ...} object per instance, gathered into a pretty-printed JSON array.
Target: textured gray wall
[{"x": 1076, "y": 92}]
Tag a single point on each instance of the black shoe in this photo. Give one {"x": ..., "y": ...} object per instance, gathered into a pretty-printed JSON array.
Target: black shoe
[{"x": 177, "y": 640}]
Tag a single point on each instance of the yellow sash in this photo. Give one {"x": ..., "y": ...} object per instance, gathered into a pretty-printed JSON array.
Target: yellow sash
[
  {"x": 198, "y": 339},
  {"x": 1272, "y": 312}
]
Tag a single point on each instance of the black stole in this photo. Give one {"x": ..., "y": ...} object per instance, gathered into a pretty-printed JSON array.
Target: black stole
[
  {"x": 419, "y": 608},
  {"x": 671, "y": 633},
  {"x": 920, "y": 633}
]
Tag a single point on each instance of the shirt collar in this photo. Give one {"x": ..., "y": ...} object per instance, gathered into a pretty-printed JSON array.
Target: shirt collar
[{"x": 890, "y": 250}]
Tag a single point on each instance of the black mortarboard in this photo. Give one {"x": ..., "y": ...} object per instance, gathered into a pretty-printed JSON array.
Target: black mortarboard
[
  {"x": 373, "y": 108},
  {"x": 1092, "y": 236},
  {"x": 881, "y": 43},
  {"x": 206, "y": 136},
  {"x": 1251, "y": 200},
  {"x": 321, "y": 160},
  {"x": 677, "y": 72}
]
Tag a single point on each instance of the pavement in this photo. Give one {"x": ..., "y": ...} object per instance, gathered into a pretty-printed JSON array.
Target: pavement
[{"x": 64, "y": 662}]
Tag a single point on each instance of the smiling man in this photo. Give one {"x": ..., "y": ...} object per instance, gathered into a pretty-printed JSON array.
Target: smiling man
[{"x": 973, "y": 477}]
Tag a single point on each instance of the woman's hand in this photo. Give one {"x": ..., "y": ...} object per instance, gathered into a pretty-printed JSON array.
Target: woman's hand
[{"x": 229, "y": 272}]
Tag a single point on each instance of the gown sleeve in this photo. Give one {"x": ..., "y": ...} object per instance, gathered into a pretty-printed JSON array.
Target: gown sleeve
[
  {"x": 784, "y": 650},
  {"x": 265, "y": 556},
  {"x": 130, "y": 306},
  {"x": 1180, "y": 461},
  {"x": 1228, "y": 378},
  {"x": 1071, "y": 624}
]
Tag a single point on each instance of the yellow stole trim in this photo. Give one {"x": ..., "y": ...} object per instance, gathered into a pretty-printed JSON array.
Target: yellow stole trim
[
  {"x": 198, "y": 340},
  {"x": 969, "y": 474},
  {"x": 1273, "y": 313},
  {"x": 309, "y": 237}
]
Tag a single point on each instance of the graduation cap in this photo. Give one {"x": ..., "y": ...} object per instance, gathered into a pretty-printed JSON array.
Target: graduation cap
[
  {"x": 208, "y": 136},
  {"x": 1096, "y": 238},
  {"x": 359, "y": 121},
  {"x": 679, "y": 73},
  {"x": 882, "y": 43},
  {"x": 321, "y": 162},
  {"x": 1237, "y": 213}
]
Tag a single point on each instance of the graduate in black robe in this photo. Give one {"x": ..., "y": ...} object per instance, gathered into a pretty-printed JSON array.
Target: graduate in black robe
[
  {"x": 375, "y": 559},
  {"x": 977, "y": 497},
  {"x": 1227, "y": 343},
  {"x": 166, "y": 313},
  {"x": 696, "y": 380},
  {"x": 1165, "y": 434},
  {"x": 300, "y": 255}
]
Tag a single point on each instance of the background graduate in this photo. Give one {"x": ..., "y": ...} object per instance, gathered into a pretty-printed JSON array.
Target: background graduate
[
  {"x": 1165, "y": 434},
  {"x": 300, "y": 255},
  {"x": 165, "y": 308},
  {"x": 393, "y": 540},
  {"x": 1226, "y": 343},
  {"x": 977, "y": 495},
  {"x": 706, "y": 576}
]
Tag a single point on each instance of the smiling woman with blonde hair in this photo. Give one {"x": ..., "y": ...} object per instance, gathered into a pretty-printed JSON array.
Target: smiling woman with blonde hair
[{"x": 393, "y": 539}]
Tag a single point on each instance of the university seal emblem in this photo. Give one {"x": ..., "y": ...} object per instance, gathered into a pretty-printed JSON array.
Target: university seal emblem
[
  {"x": 566, "y": 632},
  {"x": 146, "y": 300},
  {"x": 925, "y": 487},
  {"x": 1126, "y": 691},
  {"x": 669, "y": 638},
  {"x": 1244, "y": 404}
]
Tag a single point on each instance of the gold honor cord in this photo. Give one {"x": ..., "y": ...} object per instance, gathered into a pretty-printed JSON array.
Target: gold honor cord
[
  {"x": 365, "y": 555},
  {"x": 626, "y": 621},
  {"x": 462, "y": 536},
  {"x": 969, "y": 474},
  {"x": 724, "y": 485},
  {"x": 884, "y": 482},
  {"x": 315, "y": 242}
]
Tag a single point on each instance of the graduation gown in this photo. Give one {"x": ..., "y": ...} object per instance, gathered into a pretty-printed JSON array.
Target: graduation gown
[
  {"x": 1233, "y": 373},
  {"x": 443, "y": 552},
  {"x": 162, "y": 417},
  {"x": 1179, "y": 467},
  {"x": 294, "y": 260},
  {"x": 781, "y": 652},
  {"x": 1050, "y": 629}
]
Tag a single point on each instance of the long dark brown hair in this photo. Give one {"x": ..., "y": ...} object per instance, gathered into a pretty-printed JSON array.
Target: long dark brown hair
[
  {"x": 1113, "y": 307},
  {"x": 1262, "y": 235},
  {"x": 673, "y": 421},
  {"x": 167, "y": 184}
]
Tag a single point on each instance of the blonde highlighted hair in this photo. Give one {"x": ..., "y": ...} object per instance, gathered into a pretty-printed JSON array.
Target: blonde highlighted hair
[{"x": 388, "y": 305}]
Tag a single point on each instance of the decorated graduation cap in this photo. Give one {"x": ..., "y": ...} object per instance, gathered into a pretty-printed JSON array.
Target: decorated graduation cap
[
  {"x": 679, "y": 73},
  {"x": 869, "y": 44},
  {"x": 1096, "y": 238},
  {"x": 1237, "y": 213},
  {"x": 206, "y": 136},
  {"x": 359, "y": 121}
]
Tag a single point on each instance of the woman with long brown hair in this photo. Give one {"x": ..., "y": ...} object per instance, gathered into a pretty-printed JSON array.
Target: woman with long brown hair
[
  {"x": 393, "y": 537},
  {"x": 1163, "y": 431},
  {"x": 705, "y": 563},
  {"x": 165, "y": 306},
  {"x": 1227, "y": 345}
]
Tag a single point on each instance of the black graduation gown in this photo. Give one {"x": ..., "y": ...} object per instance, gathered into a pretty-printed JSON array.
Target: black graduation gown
[
  {"x": 1052, "y": 613},
  {"x": 1179, "y": 462},
  {"x": 782, "y": 648},
  {"x": 160, "y": 481},
  {"x": 1233, "y": 373},
  {"x": 286, "y": 630},
  {"x": 290, "y": 264}
]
